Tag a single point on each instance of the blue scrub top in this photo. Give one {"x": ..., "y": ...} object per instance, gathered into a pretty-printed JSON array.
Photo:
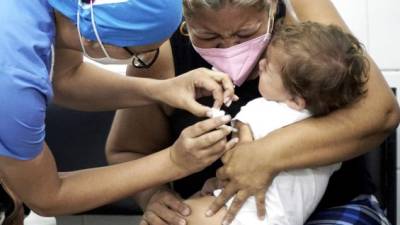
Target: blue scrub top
[{"x": 27, "y": 33}]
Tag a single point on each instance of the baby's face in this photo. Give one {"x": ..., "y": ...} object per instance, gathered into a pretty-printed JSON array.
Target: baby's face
[{"x": 270, "y": 85}]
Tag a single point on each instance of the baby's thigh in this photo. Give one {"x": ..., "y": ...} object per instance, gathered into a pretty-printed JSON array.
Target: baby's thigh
[{"x": 199, "y": 208}]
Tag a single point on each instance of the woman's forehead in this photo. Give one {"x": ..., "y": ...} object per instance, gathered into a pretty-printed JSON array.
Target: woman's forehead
[{"x": 228, "y": 18}]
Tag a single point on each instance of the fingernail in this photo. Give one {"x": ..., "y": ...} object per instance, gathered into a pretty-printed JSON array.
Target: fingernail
[
  {"x": 186, "y": 212},
  {"x": 226, "y": 99},
  {"x": 226, "y": 118},
  {"x": 212, "y": 113},
  {"x": 209, "y": 213},
  {"x": 225, "y": 222},
  {"x": 235, "y": 140},
  {"x": 182, "y": 222},
  {"x": 229, "y": 103}
]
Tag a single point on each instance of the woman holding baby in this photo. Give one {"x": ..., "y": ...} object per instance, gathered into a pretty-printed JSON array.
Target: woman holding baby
[{"x": 232, "y": 35}]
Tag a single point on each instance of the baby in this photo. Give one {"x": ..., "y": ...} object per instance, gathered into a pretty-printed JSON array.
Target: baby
[{"x": 308, "y": 70}]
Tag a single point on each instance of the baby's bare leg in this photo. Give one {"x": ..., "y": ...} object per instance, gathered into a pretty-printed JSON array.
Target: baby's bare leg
[{"x": 199, "y": 208}]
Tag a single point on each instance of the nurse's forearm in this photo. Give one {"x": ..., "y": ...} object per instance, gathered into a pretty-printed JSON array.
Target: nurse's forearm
[
  {"x": 141, "y": 198},
  {"x": 83, "y": 190},
  {"x": 120, "y": 156},
  {"x": 110, "y": 185},
  {"x": 90, "y": 88}
]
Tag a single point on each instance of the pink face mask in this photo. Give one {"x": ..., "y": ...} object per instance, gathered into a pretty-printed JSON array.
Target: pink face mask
[{"x": 239, "y": 60}]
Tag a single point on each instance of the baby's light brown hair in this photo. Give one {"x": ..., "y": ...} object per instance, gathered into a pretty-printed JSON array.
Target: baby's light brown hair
[{"x": 322, "y": 64}]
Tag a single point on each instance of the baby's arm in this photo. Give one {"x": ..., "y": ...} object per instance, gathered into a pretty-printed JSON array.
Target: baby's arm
[
  {"x": 199, "y": 205},
  {"x": 199, "y": 208},
  {"x": 244, "y": 132}
]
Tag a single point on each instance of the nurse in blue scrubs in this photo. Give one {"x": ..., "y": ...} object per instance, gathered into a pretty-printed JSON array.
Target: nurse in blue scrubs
[{"x": 42, "y": 44}]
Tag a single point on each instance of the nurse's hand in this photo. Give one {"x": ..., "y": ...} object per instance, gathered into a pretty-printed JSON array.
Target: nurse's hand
[
  {"x": 201, "y": 144},
  {"x": 197, "y": 147},
  {"x": 182, "y": 91}
]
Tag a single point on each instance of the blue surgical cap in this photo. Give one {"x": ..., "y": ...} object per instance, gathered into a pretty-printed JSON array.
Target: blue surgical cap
[{"x": 125, "y": 23}]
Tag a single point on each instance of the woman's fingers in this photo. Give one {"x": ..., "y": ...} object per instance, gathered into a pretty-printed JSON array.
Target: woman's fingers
[
  {"x": 260, "y": 203},
  {"x": 151, "y": 218},
  {"x": 236, "y": 205},
  {"x": 177, "y": 205},
  {"x": 205, "y": 126},
  {"x": 196, "y": 108},
  {"x": 165, "y": 208},
  {"x": 143, "y": 222},
  {"x": 171, "y": 217},
  {"x": 200, "y": 145},
  {"x": 221, "y": 200},
  {"x": 224, "y": 94},
  {"x": 228, "y": 90},
  {"x": 209, "y": 81},
  {"x": 229, "y": 93},
  {"x": 187, "y": 86},
  {"x": 222, "y": 148},
  {"x": 229, "y": 146},
  {"x": 228, "y": 153},
  {"x": 212, "y": 138}
]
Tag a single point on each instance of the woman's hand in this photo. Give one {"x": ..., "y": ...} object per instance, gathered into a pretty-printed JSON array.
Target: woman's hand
[
  {"x": 201, "y": 144},
  {"x": 242, "y": 176},
  {"x": 182, "y": 91},
  {"x": 165, "y": 207}
]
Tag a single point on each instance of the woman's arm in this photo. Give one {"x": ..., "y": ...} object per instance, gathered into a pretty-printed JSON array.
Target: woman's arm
[
  {"x": 339, "y": 136},
  {"x": 345, "y": 133}
]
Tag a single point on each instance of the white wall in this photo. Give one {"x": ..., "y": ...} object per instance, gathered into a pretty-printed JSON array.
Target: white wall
[{"x": 377, "y": 24}]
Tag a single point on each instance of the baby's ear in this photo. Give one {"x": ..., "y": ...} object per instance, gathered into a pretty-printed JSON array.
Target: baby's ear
[{"x": 296, "y": 103}]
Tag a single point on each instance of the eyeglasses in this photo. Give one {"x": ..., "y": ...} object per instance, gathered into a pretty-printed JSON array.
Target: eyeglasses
[{"x": 143, "y": 60}]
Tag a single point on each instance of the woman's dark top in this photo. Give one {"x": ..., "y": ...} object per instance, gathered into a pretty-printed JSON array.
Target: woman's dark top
[{"x": 350, "y": 181}]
